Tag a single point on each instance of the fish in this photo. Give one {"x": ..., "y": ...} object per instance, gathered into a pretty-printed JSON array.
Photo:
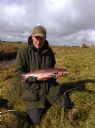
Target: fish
[{"x": 50, "y": 72}]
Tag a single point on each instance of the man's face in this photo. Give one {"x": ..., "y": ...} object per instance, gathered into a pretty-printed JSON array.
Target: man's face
[{"x": 38, "y": 41}]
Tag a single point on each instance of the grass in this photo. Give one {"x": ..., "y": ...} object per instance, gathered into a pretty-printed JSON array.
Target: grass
[{"x": 80, "y": 63}]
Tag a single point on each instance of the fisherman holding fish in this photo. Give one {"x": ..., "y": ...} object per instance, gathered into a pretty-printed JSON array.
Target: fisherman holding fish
[{"x": 39, "y": 92}]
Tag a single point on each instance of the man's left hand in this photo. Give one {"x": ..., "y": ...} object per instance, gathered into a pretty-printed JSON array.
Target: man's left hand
[{"x": 59, "y": 74}]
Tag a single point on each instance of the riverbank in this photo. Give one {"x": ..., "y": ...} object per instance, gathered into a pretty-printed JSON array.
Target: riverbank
[
  {"x": 7, "y": 63},
  {"x": 9, "y": 50}
]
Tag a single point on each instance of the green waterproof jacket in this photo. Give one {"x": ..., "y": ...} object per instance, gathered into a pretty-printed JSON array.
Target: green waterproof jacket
[{"x": 35, "y": 92}]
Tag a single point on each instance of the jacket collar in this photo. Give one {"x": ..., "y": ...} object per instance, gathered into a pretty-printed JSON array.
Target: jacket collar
[{"x": 44, "y": 49}]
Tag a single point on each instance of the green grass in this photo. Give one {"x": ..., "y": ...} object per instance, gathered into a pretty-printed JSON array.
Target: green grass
[{"x": 80, "y": 63}]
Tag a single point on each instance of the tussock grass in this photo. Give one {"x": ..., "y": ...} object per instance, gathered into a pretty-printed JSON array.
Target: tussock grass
[{"x": 80, "y": 63}]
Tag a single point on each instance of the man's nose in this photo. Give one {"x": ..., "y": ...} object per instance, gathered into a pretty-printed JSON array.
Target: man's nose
[{"x": 38, "y": 42}]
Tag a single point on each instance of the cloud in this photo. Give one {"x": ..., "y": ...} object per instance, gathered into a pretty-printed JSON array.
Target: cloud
[{"x": 64, "y": 20}]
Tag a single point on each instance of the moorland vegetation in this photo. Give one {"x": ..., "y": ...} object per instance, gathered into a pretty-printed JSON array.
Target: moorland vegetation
[{"x": 80, "y": 63}]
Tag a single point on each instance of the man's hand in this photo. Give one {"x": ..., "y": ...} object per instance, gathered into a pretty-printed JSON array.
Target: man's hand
[{"x": 59, "y": 74}]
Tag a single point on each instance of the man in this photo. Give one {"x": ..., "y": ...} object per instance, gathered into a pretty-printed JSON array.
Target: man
[{"x": 38, "y": 93}]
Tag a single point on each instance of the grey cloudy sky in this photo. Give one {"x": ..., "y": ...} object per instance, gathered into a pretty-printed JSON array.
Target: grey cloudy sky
[{"x": 69, "y": 22}]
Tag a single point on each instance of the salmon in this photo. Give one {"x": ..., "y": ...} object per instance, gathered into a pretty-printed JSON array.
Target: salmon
[{"x": 51, "y": 72}]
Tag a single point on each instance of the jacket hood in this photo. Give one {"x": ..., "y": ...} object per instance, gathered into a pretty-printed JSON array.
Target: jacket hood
[{"x": 45, "y": 45}]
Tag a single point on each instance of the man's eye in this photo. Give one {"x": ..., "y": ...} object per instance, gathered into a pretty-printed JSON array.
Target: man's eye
[{"x": 39, "y": 38}]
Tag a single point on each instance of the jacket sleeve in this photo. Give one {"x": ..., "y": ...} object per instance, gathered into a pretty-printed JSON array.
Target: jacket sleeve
[{"x": 21, "y": 67}]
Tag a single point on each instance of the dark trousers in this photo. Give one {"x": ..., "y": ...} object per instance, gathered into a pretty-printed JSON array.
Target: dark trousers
[{"x": 35, "y": 115}]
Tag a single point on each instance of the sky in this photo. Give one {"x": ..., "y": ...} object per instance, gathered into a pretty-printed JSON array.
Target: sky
[{"x": 68, "y": 22}]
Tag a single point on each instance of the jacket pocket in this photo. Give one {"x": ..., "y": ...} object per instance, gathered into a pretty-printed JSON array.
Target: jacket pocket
[{"x": 30, "y": 95}]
